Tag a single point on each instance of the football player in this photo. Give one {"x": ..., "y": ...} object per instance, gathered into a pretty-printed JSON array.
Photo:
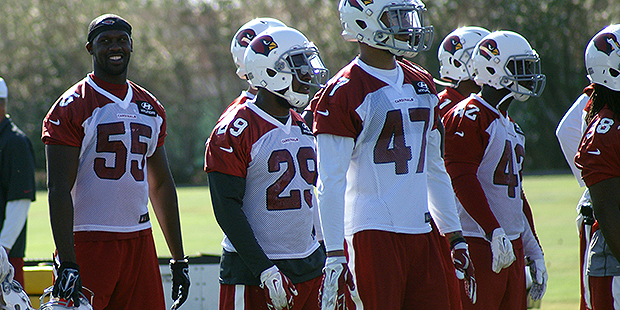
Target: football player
[
  {"x": 456, "y": 71},
  {"x": 569, "y": 133},
  {"x": 599, "y": 161},
  {"x": 261, "y": 165},
  {"x": 484, "y": 157},
  {"x": 381, "y": 175},
  {"x": 240, "y": 41},
  {"x": 106, "y": 159}
]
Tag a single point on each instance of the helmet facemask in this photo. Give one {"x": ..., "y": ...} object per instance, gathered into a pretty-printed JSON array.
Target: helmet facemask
[
  {"x": 523, "y": 76},
  {"x": 402, "y": 30},
  {"x": 304, "y": 65}
]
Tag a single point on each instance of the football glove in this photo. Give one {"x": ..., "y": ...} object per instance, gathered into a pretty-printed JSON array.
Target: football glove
[
  {"x": 279, "y": 290},
  {"x": 68, "y": 284},
  {"x": 336, "y": 277},
  {"x": 464, "y": 269},
  {"x": 180, "y": 281},
  {"x": 539, "y": 278},
  {"x": 501, "y": 248},
  {"x": 7, "y": 272}
]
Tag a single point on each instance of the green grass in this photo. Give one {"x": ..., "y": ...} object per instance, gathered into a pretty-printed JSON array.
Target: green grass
[{"x": 553, "y": 199}]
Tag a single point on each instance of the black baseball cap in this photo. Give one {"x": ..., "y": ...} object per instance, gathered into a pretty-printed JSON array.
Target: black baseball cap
[{"x": 107, "y": 22}]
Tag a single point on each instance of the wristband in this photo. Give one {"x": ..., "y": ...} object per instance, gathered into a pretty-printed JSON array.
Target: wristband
[
  {"x": 184, "y": 260},
  {"x": 456, "y": 241}
]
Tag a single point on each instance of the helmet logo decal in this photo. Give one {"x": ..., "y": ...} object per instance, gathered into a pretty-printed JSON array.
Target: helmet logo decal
[
  {"x": 452, "y": 44},
  {"x": 245, "y": 36},
  {"x": 356, "y": 4},
  {"x": 606, "y": 43},
  {"x": 263, "y": 45},
  {"x": 488, "y": 48}
]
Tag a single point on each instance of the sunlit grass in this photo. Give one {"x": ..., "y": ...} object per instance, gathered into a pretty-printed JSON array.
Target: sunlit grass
[{"x": 553, "y": 199}]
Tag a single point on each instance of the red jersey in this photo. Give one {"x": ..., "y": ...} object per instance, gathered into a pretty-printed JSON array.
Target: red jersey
[
  {"x": 448, "y": 98},
  {"x": 599, "y": 152}
]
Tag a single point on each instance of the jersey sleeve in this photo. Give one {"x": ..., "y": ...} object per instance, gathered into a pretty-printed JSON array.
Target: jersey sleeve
[
  {"x": 227, "y": 150},
  {"x": 62, "y": 124},
  {"x": 569, "y": 133},
  {"x": 334, "y": 109},
  {"x": 466, "y": 141},
  {"x": 441, "y": 195}
]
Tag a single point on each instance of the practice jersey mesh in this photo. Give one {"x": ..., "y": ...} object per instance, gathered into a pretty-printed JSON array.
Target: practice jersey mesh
[
  {"x": 115, "y": 137},
  {"x": 278, "y": 162},
  {"x": 387, "y": 185},
  {"x": 479, "y": 134}
]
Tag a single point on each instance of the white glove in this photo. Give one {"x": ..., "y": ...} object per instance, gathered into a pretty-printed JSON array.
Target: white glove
[
  {"x": 279, "y": 290},
  {"x": 539, "y": 278},
  {"x": 501, "y": 247},
  {"x": 336, "y": 275},
  {"x": 6, "y": 269}
]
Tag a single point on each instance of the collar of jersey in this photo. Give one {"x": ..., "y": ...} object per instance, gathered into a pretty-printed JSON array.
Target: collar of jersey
[
  {"x": 266, "y": 116},
  {"x": 124, "y": 103},
  {"x": 502, "y": 117},
  {"x": 377, "y": 74}
]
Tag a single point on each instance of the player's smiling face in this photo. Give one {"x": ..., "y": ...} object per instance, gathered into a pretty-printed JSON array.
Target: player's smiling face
[{"x": 111, "y": 51}]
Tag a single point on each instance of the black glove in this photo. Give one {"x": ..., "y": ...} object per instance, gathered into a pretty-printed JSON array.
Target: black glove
[
  {"x": 180, "y": 281},
  {"x": 68, "y": 284}
]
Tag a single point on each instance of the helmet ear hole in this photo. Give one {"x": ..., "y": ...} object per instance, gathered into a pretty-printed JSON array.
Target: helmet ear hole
[
  {"x": 271, "y": 72},
  {"x": 491, "y": 70},
  {"x": 361, "y": 24},
  {"x": 613, "y": 72}
]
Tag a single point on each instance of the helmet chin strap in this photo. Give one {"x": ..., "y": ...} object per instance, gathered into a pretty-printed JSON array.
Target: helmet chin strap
[
  {"x": 295, "y": 99},
  {"x": 510, "y": 95}
]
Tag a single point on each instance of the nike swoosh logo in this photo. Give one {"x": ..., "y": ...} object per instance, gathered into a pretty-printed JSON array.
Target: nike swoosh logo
[
  {"x": 324, "y": 113},
  {"x": 460, "y": 133},
  {"x": 55, "y": 122},
  {"x": 595, "y": 152},
  {"x": 229, "y": 149}
]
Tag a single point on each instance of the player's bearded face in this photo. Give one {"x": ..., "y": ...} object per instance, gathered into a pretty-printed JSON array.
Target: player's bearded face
[{"x": 112, "y": 51}]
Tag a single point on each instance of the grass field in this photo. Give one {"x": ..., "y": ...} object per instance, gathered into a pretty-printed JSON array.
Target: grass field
[{"x": 553, "y": 199}]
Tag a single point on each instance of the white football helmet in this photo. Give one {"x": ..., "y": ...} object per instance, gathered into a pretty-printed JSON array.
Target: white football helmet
[
  {"x": 455, "y": 53},
  {"x": 244, "y": 36},
  {"x": 504, "y": 59},
  {"x": 14, "y": 297},
  {"x": 393, "y": 25},
  {"x": 54, "y": 303},
  {"x": 603, "y": 58},
  {"x": 278, "y": 55}
]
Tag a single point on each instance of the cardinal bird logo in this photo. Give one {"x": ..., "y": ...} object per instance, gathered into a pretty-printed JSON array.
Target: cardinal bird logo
[
  {"x": 488, "y": 48},
  {"x": 263, "y": 45},
  {"x": 245, "y": 36},
  {"x": 606, "y": 43},
  {"x": 357, "y": 5},
  {"x": 452, "y": 44}
]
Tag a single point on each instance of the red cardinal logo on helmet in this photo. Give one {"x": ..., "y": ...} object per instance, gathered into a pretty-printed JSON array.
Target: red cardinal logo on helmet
[
  {"x": 263, "y": 45},
  {"x": 452, "y": 44},
  {"x": 357, "y": 5},
  {"x": 488, "y": 48},
  {"x": 606, "y": 43},
  {"x": 245, "y": 36}
]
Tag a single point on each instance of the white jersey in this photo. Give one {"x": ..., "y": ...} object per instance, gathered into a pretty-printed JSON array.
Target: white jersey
[
  {"x": 115, "y": 136},
  {"x": 278, "y": 162},
  {"x": 395, "y": 167}
]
